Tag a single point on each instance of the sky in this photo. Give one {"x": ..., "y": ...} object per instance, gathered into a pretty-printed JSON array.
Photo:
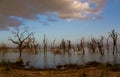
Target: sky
[{"x": 58, "y": 19}]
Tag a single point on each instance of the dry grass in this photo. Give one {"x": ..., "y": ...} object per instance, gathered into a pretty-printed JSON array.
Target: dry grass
[{"x": 83, "y": 72}]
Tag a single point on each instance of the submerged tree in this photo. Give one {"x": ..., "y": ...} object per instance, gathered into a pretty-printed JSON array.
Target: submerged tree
[
  {"x": 82, "y": 46},
  {"x": 63, "y": 45},
  {"x": 45, "y": 44},
  {"x": 107, "y": 44},
  {"x": 69, "y": 45},
  {"x": 114, "y": 36},
  {"x": 33, "y": 43},
  {"x": 93, "y": 45},
  {"x": 20, "y": 39},
  {"x": 53, "y": 44},
  {"x": 100, "y": 45}
]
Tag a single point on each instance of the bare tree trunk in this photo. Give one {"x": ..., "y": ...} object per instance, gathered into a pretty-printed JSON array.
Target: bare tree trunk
[
  {"x": 45, "y": 45},
  {"x": 20, "y": 51},
  {"x": 114, "y": 47},
  {"x": 107, "y": 46}
]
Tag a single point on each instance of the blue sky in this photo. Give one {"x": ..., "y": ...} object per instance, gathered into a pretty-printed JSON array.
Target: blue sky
[{"x": 73, "y": 28}]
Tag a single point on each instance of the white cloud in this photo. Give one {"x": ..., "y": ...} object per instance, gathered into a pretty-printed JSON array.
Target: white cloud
[{"x": 65, "y": 9}]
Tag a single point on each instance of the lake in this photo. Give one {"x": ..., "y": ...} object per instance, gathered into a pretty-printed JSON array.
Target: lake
[{"x": 51, "y": 60}]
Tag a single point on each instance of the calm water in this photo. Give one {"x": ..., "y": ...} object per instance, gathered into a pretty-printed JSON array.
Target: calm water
[{"x": 50, "y": 60}]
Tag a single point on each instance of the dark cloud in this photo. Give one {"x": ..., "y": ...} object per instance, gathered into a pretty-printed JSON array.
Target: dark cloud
[{"x": 28, "y": 9}]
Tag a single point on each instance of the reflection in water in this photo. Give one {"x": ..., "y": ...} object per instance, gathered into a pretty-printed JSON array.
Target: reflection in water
[{"x": 50, "y": 60}]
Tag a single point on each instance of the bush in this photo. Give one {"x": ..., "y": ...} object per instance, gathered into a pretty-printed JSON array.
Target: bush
[{"x": 5, "y": 63}]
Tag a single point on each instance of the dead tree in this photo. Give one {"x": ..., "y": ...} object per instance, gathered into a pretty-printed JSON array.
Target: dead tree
[
  {"x": 45, "y": 44},
  {"x": 82, "y": 46},
  {"x": 34, "y": 45},
  {"x": 78, "y": 47},
  {"x": 63, "y": 45},
  {"x": 114, "y": 36},
  {"x": 88, "y": 46},
  {"x": 93, "y": 45},
  {"x": 53, "y": 44},
  {"x": 69, "y": 45},
  {"x": 19, "y": 39},
  {"x": 107, "y": 44},
  {"x": 100, "y": 45}
]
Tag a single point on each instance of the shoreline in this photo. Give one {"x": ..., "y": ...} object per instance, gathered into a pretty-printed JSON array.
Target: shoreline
[{"x": 91, "y": 70}]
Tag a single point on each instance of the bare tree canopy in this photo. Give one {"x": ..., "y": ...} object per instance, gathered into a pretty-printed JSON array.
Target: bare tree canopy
[{"x": 20, "y": 39}]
